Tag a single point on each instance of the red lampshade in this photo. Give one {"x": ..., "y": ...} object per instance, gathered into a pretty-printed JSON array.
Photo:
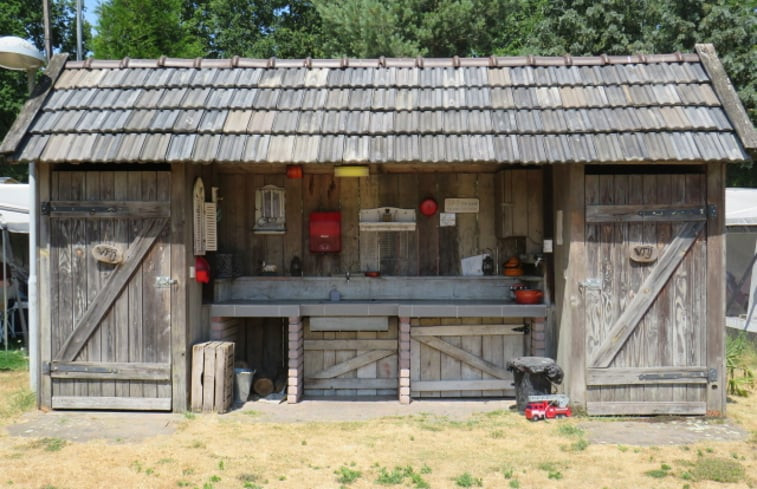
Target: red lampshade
[
  {"x": 294, "y": 171},
  {"x": 202, "y": 270},
  {"x": 428, "y": 207}
]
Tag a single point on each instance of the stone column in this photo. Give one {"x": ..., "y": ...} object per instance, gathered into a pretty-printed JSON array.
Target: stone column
[
  {"x": 295, "y": 371},
  {"x": 404, "y": 359}
]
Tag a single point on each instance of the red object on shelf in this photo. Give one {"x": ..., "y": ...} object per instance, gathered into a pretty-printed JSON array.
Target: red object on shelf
[
  {"x": 428, "y": 207},
  {"x": 202, "y": 270},
  {"x": 294, "y": 171},
  {"x": 528, "y": 296},
  {"x": 326, "y": 232}
]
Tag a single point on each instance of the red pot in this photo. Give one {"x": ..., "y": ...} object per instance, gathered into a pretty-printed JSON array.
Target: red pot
[{"x": 528, "y": 296}]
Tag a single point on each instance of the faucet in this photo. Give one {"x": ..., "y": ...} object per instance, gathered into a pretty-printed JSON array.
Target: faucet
[{"x": 347, "y": 275}]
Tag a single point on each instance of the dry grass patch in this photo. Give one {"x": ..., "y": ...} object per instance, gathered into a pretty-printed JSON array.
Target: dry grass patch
[{"x": 499, "y": 449}]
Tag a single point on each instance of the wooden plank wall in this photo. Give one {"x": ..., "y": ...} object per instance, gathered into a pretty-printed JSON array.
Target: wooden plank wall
[{"x": 430, "y": 250}]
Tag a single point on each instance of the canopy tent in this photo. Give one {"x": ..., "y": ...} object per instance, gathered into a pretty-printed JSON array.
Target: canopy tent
[
  {"x": 741, "y": 255},
  {"x": 14, "y": 219},
  {"x": 14, "y": 207}
]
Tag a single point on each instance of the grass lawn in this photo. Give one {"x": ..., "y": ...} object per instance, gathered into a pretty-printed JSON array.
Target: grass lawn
[{"x": 499, "y": 449}]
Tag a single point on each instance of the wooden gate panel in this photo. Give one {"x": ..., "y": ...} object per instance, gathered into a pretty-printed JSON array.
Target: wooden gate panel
[
  {"x": 351, "y": 363},
  {"x": 463, "y": 357},
  {"x": 670, "y": 333},
  {"x": 111, "y": 318}
]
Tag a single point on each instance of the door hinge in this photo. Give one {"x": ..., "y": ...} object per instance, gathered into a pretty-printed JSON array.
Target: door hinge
[
  {"x": 712, "y": 375},
  {"x": 45, "y": 368},
  {"x": 44, "y": 208},
  {"x": 712, "y": 210},
  {"x": 673, "y": 212},
  {"x": 525, "y": 329}
]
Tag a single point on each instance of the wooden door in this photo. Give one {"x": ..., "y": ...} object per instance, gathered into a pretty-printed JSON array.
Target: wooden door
[
  {"x": 464, "y": 357},
  {"x": 644, "y": 293},
  {"x": 110, "y": 331}
]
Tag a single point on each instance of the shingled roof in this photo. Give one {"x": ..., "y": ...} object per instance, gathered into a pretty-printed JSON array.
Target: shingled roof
[{"x": 657, "y": 108}]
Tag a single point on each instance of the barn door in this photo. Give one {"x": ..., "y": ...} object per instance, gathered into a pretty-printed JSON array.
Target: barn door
[
  {"x": 644, "y": 295},
  {"x": 110, "y": 290}
]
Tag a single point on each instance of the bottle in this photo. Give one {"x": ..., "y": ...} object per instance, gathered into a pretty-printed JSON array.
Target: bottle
[
  {"x": 487, "y": 265},
  {"x": 295, "y": 266}
]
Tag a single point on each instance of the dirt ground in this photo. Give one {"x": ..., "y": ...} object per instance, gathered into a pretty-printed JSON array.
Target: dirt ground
[
  {"x": 81, "y": 426},
  {"x": 323, "y": 445}
]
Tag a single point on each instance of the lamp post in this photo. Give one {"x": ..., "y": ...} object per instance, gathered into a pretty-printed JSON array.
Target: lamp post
[{"x": 19, "y": 54}]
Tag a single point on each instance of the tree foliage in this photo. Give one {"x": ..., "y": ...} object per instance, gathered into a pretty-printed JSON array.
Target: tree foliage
[
  {"x": 143, "y": 29},
  {"x": 23, "y": 18}
]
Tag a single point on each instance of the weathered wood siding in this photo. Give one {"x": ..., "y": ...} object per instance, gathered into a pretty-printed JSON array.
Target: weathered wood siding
[
  {"x": 645, "y": 323},
  {"x": 110, "y": 326},
  {"x": 351, "y": 363},
  {"x": 429, "y": 250},
  {"x": 464, "y": 357}
]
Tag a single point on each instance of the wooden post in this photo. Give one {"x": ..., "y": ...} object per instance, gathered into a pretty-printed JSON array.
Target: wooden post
[
  {"x": 715, "y": 335},
  {"x": 180, "y": 236},
  {"x": 45, "y": 390},
  {"x": 571, "y": 355}
]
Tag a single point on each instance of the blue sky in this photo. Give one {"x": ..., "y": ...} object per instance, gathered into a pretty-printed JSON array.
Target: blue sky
[{"x": 89, "y": 12}]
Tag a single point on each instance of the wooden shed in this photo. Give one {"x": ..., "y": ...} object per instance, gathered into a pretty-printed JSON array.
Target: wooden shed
[{"x": 357, "y": 216}]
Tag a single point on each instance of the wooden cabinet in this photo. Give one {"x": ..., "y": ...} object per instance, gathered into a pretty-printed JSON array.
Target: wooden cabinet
[{"x": 519, "y": 211}]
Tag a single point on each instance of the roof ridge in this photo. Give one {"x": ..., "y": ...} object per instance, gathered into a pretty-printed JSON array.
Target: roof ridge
[{"x": 418, "y": 62}]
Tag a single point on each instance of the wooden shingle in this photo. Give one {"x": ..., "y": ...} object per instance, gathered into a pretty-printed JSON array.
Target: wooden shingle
[{"x": 514, "y": 110}]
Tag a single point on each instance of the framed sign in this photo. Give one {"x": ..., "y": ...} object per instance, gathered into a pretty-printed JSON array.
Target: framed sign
[{"x": 461, "y": 206}]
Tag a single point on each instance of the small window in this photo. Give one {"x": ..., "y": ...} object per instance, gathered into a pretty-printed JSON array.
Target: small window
[{"x": 270, "y": 210}]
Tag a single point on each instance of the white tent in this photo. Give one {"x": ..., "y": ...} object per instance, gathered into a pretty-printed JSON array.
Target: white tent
[
  {"x": 741, "y": 254},
  {"x": 14, "y": 219},
  {"x": 14, "y": 207}
]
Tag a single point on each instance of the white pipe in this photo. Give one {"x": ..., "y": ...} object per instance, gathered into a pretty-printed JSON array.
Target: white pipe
[
  {"x": 34, "y": 365},
  {"x": 5, "y": 294}
]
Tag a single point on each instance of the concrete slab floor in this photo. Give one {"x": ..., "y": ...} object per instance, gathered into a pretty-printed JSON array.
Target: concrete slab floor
[{"x": 133, "y": 427}]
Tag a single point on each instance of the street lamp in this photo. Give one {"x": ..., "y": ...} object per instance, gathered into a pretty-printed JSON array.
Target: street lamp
[{"x": 19, "y": 54}]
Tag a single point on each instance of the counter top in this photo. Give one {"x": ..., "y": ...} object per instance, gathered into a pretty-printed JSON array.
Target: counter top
[{"x": 401, "y": 308}]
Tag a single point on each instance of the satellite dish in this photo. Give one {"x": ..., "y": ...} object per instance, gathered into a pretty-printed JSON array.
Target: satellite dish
[{"x": 19, "y": 54}]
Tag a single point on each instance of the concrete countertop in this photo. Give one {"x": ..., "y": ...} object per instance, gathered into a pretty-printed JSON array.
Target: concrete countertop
[{"x": 401, "y": 308}]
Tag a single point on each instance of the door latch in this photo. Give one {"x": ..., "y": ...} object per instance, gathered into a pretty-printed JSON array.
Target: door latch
[{"x": 163, "y": 282}]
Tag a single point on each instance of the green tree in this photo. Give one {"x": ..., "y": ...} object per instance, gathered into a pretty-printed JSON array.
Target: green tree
[
  {"x": 257, "y": 28},
  {"x": 23, "y": 18},
  {"x": 143, "y": 29}
]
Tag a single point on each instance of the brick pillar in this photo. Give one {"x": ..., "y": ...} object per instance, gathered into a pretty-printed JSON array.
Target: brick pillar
[
  {"x": 295, "y": 370},
  {"x": 404, "y": 359},
  {"x": 224, "y": 329},
  {"x": 538, "y": 337}
]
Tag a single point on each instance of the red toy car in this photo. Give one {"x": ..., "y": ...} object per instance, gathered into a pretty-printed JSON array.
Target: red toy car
[{"x": 543, "y": 407}]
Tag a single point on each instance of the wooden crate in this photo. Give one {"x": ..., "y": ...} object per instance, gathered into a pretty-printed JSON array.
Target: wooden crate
[{"x": 212, "y": 376}]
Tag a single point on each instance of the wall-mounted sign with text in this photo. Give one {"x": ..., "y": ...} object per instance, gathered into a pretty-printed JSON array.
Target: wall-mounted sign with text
[{"x": 461, "y": 206}]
